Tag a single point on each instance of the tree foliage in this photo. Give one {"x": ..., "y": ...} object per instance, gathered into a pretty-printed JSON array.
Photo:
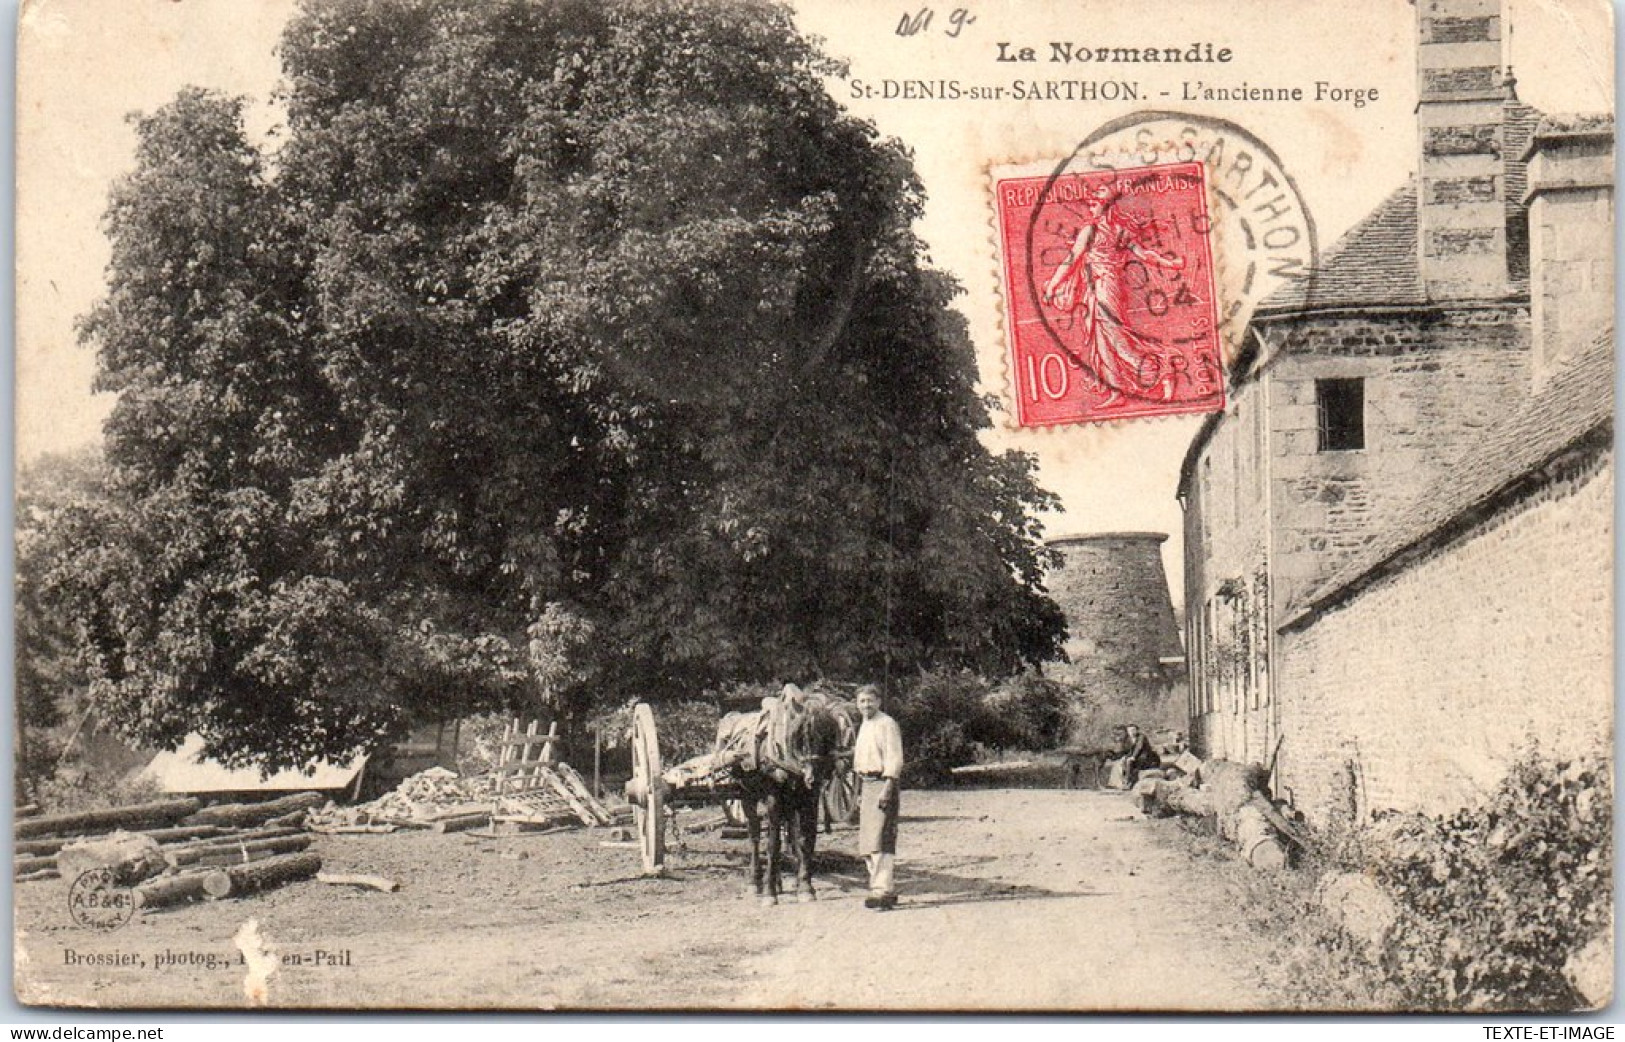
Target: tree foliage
[{"x": 556, "y": 349}]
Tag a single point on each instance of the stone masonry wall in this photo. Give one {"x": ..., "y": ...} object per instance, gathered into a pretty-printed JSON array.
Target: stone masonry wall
[
  {"x": 1432, "y": 386},
  {"x": 1227, "y": 585},
  {"x": 1416, "y": 694}
]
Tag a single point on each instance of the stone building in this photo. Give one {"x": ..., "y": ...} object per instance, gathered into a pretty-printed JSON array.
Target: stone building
[
  {"x": 1398, "y": 533},
  {"x": 1123, "y": 644}
]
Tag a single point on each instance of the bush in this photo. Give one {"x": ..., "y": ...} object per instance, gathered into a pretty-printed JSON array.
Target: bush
[
  {"x": 686, "y": 729},
  {"x": 1495, "y": 899},
  {"x": 948, "y": 718}
]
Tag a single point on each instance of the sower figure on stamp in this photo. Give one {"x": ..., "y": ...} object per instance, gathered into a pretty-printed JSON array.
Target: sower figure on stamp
[
  {"x": 877, "y": 756},
  {"x": 1091, "y": 282}
]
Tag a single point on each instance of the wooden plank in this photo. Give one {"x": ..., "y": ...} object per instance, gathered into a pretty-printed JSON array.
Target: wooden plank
[
  {"x": 388, "y": 886},
  {"x": 579, "y": 786},
  {"x": 463, "y": 822},
  {"x": 527, "y": 740},
  {"x": 587, "y": 817}
]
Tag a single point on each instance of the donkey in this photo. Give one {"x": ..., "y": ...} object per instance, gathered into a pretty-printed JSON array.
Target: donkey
[{"x": 782, "y": 756}]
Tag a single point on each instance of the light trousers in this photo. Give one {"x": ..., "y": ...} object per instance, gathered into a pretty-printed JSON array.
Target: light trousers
[{"x": 880, "y": 873}]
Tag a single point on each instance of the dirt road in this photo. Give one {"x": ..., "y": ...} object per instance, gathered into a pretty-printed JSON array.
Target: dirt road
[{"x": 1012, "y": 899}]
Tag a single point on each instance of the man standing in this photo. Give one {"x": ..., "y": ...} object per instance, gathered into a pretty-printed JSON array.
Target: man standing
[{"x": 877, "y": 756}]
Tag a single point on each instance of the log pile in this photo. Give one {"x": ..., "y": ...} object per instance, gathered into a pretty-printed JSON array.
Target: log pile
[
  {"x": 1235, "y": 796},
  {"x": 168, "y": 851}
]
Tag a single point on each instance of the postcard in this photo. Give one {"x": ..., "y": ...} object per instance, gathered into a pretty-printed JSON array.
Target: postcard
[{"x": 825, "y": 505}]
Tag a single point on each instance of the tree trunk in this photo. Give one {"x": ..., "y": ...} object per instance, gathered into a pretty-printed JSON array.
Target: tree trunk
[
  {"x": 245, "y": 815},
  {"x": 260, "y": 875},
  {"x": 134, "y": 818},
  {"x": 171, "y": 890},
  {"x": 229, "y": 839},
  {"x": 28, "y": 865},
  {"x": 227, "y": 853}
]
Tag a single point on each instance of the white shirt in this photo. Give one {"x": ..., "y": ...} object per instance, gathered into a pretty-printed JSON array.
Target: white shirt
[{"x": 879, "y": 747}]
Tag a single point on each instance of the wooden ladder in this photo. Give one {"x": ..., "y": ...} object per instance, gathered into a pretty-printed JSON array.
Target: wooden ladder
[{"x": 524, "y": 758}]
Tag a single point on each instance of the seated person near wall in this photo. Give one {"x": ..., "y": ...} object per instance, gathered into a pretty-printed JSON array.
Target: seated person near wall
[{"x": 1140, "y": 757}]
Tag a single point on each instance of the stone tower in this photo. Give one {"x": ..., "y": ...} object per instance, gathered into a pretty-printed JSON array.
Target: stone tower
[{"x": 1123, "y": 641}]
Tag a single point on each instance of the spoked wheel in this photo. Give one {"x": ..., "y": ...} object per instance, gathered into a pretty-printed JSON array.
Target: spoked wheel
[
  {"x": 647, "y": 791},
  {"x": 841, "y": 798}
]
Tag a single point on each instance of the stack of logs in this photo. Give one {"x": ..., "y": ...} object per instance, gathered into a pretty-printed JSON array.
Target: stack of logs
[
  {"x": 175, "y": 850},
  {"x": 1234, "y": 795}
]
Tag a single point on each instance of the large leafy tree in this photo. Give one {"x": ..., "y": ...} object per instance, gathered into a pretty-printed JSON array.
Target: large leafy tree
[{"x": 558, "y": 351}]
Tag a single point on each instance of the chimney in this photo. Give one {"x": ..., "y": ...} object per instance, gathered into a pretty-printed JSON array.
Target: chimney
[
  {"x": 1571, "y": 236},
  {"x": 1462, "y": 205}
]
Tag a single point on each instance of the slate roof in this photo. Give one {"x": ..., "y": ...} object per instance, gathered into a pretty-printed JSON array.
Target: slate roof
[
  {"x": 1576, "y": 402},
  {"x": 1374, "y": 263}
]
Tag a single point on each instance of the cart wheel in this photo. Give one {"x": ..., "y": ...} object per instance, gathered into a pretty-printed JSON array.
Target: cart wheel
[
  {"x": 841, "y": 798},
  {"x": 647, "y": 791}
]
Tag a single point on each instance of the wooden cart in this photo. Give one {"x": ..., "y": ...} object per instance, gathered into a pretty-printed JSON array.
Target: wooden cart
[{"x": 656, "y": 793}]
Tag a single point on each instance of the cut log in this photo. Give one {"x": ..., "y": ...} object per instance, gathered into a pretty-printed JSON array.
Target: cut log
[
  {"x": 28, "y": 865},
  {"x": 27, "y": 810},
  {"x": 132, "y": 817},
  {"x": 230, "y": 838},
  {"x": 1182, "y": 799},
  {"x": 354, "y": 830},
  {"x": 130, "y": 856},
  {"x": 245, "y": 815},
  {"x": 186, "y": 833},
  {"x": 260, "y": 875},
  {"x": 171, "y": 890},
  {"x": 41, "y": 847},
  {"x": 44, "y": 873},
  {"x": 1161, "y": 798},
  {"x": 291, "y": 820},
  {"x": 388, "y": 886},
  {"x": 227, "y": 853},
  {"x": 1258, "y": 840},
  {"x": 463, "y": 822}
]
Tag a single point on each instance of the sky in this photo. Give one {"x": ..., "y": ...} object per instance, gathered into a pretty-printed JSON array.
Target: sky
[{"x": 84, "y": 65}]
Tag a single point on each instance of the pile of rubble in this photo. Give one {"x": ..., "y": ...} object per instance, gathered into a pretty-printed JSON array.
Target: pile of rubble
[{"x": 548, "y": 795}]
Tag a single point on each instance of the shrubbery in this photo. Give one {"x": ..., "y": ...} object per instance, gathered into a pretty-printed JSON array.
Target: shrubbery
[
  {"x": 1495, "y": 899},
  {"x": 947, "y": 716}
]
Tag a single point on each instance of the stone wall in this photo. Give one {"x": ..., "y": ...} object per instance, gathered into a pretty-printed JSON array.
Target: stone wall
[
  {"x": 1227, "y": 584},
  {"x": 1418, "y": 692},
  {"x": 1433, "y": 384}
]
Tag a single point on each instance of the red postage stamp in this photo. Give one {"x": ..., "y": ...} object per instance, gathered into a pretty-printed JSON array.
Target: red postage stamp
[{"x": 1109, "y": 294}]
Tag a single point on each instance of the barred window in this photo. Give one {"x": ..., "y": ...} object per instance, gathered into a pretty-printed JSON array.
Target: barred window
[{"x": 1340, "y": 410}]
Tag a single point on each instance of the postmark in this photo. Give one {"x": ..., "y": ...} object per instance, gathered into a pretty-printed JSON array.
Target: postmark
[
  {"x": 1110, "y": 294},
  {"x": 1214, "y": 228},
  {"x": 97, "y": 901}
]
